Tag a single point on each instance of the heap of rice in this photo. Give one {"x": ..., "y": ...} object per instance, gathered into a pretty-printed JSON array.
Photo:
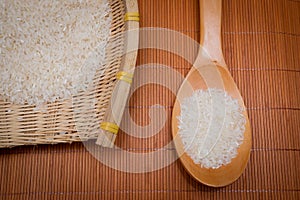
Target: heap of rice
[
  {"x": 211, "y": 126},
  {"x": 50, "y": 49}
]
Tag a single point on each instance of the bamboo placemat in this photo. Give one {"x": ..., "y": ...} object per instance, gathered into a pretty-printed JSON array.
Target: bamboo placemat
[{"x": 261, "y": 43}]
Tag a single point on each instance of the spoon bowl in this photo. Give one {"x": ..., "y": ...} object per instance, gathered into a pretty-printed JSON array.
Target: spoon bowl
[{"x": 226, "y": 174}]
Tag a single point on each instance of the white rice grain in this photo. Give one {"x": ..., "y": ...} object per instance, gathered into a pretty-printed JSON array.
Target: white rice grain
[
  {"x": 50, "y": 49},
  {"x": 211, "y": 126}
]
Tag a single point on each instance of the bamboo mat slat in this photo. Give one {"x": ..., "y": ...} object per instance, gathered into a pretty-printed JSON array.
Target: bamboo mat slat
[{"x": 261, "y": 44}]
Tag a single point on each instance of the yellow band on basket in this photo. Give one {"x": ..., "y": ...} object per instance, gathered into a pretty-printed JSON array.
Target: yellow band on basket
[
  {"x": 111, "y": 127},
  {"x": 132, "y": 16},
  {"x": 124, "y": 76}
]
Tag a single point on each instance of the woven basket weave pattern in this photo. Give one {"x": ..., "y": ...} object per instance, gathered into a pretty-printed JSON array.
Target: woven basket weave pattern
[{"x": 74, "y": 119}]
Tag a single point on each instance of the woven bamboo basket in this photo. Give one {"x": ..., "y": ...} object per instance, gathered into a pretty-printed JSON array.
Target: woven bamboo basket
[{"x": 79, "y": 118}]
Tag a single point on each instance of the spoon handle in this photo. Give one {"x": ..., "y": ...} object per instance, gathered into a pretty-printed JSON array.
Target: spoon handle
[{"x": 210, "y": 26}]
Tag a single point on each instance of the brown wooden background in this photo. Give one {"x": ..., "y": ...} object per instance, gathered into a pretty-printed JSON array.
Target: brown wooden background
[{"x": 261, "y": 43}]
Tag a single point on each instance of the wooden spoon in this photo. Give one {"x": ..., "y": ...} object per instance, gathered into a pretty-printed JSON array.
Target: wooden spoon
[{"x": 210, "y": 70}]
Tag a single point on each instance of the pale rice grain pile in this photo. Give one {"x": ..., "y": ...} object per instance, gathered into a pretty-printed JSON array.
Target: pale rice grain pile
[
  {"x": 211, "y": 126},
  {"x": 50, "y": 49}
]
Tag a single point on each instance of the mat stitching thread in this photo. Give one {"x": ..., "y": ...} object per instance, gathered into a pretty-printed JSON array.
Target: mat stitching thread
[
  {"x": 145, "y": 191},
  {"x": 235, "y": 68},
  {"x": 266, "y": 69},
  {"x": 248, "y": 108},
  {"x": 297, "y": 1},
  {"x": 260, "y": 33},
  {"x": 144, "y": 149}
]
